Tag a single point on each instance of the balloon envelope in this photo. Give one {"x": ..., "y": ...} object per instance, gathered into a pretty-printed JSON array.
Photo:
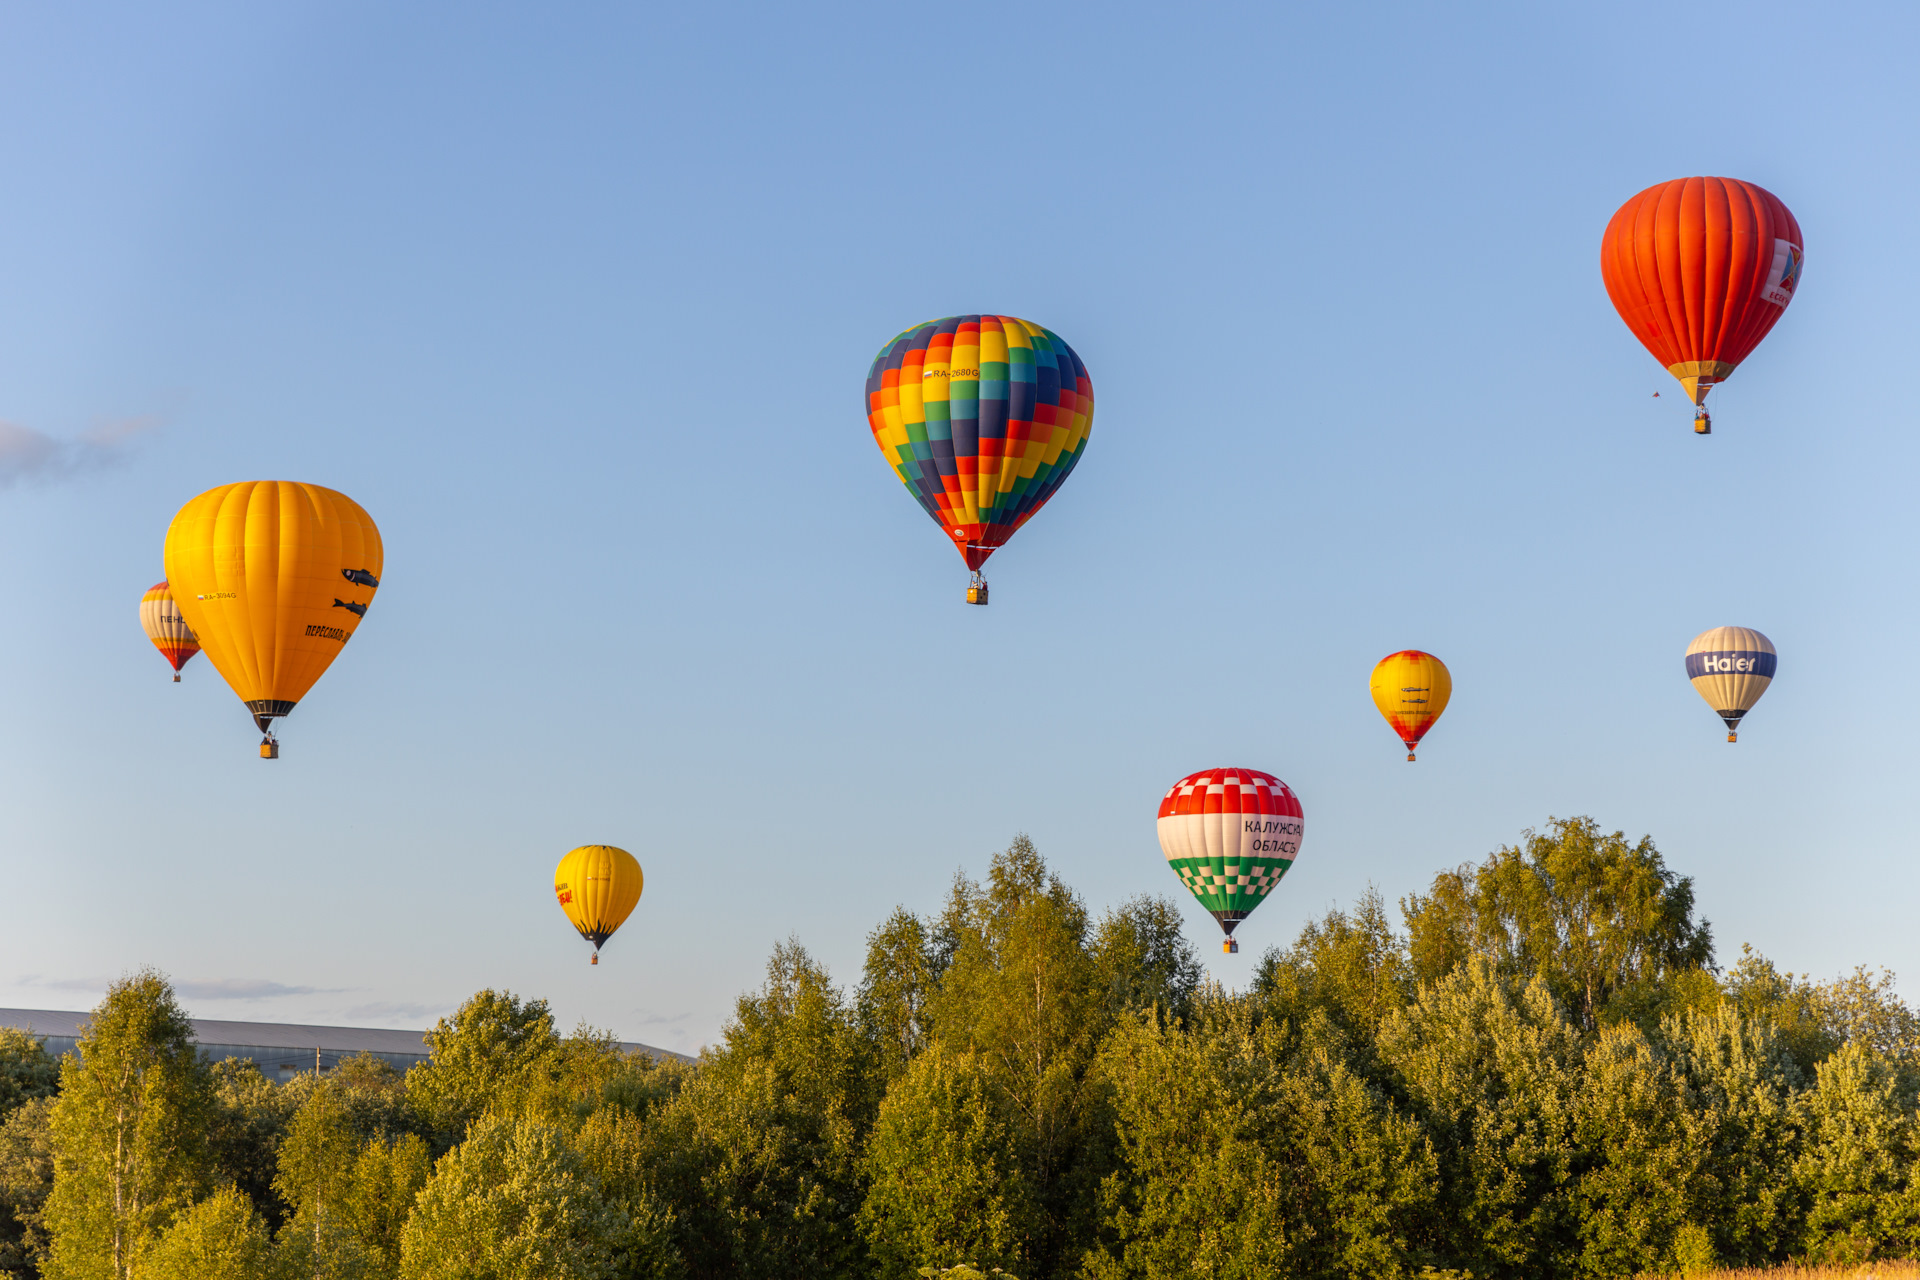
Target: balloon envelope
[
  {"x": 1731, "y": 667},
  {"x": 1701, "y": 269},
  {"x": 274, "y": 578},
  {"x": 166, "y": 626},
  {"x": 1411, "y": 689},
  {"x": 1230, "y": 834},
  {"x": 598, "y": 886},
  {"x": 982, "y": 418}
]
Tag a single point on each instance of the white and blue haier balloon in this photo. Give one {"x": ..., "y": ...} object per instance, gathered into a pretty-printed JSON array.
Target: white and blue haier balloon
[{"x": 1731, "y": 667}]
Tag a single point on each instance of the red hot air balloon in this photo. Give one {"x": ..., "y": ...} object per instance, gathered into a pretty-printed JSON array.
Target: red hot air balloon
[{"x": 1701, "y": 269}]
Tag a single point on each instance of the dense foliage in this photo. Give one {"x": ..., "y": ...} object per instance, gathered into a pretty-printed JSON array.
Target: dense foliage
[{"x": 1539, "y": 1071}]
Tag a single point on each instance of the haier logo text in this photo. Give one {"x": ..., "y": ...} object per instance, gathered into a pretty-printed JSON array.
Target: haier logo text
[{"x": 1730, "y": 663}]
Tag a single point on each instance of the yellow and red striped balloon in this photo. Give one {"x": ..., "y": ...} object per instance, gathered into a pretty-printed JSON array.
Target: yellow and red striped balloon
[
  {"x": 1411, "y": 689},
  {"x": 166, "y": 626}
]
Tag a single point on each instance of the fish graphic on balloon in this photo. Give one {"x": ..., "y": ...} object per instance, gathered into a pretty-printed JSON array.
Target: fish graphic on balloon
[{"x": 359, "y": 578}]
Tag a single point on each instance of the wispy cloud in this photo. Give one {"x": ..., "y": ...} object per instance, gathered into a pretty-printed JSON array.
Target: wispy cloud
[
  {"x": 395, "y": 1009},
  {"x": 247, "y": 989},
  {"x": 90, "y": 985},
  {"x": 243, "y": 989},
  {"x": 26, "y": 454},
  {"x": 665, "y": 1030},
  {"x": 205, "y": 989}
]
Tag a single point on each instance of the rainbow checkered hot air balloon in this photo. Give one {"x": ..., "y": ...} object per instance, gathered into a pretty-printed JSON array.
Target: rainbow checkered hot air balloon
[
  {"x": 161, "y": 619},
  {"x": 1230, "y": 834},
  {"x": 982, "y": 418}
]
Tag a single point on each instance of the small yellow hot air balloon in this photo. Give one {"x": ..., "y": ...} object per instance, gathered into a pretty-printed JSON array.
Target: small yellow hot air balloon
[
  {"x": 1411, "y": 689},
  {"x": 598, "y": 887},
  {"x": 274, "y": 578}
]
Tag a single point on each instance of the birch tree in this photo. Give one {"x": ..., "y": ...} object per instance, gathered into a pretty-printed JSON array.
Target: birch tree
[{"x": 128, "y": 1132}]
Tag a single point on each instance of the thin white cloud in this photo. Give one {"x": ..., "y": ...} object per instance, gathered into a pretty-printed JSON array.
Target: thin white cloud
[
  {"x": 97, "y": 985},
  {"x": 242, "y": 989},
  {"x": 29, "y": 455},
  {"x": 398, "y": 1009},
  {"x": 247, "y": 989}
]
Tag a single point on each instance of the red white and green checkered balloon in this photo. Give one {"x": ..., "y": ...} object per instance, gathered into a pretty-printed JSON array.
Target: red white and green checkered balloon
[{"x": 1230, "y": 834}]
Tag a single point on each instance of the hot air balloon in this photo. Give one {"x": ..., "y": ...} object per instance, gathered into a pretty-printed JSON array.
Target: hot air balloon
[
  {"x": 598, "y": 886},
  {"x": 1700, "y": 269},
  {"x": 1411, "y": 689},
  {"x": 1230, "y": 834},
  {"x": 274, "y": 578},
  {"x": 1731, "y": 667},
  {"x": 160, "y": 618},
  {"x": 982, "y": 418}
]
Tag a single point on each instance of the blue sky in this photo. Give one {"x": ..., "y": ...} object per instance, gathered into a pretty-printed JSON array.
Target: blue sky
[{"x": 579, "y": 307}]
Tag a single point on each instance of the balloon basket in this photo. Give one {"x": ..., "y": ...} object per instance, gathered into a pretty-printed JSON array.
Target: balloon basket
[
  {"x": 596, "y": 958},
  {"x": 269, "y": 748},
  {"x": 176, "y": 677},
  {"x": 1230, "y": 947},
  {"x": 977, "y": 589},
  {"x": 1733, "y": 737},
  {"x": 1409, "y": 757},
  {"x": 1702, "y": 424}
]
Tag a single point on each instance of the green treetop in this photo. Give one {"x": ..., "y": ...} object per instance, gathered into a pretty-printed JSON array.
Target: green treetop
[{"x": 129, "y": 1132}]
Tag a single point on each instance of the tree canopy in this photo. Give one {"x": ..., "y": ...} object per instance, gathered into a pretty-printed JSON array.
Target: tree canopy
[{"x": 1537, "y": 1070}]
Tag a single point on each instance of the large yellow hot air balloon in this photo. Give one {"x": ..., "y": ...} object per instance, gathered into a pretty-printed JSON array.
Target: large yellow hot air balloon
[
  {"x": 598, "y": 887},
  {"x": 274, "y": 578},
  {"x": 1731, "y": 667},
  {"x": 1411, "y": 689}
]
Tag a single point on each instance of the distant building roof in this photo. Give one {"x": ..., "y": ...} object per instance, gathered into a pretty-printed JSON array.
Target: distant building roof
[{"x": 277, "y": 1047}]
